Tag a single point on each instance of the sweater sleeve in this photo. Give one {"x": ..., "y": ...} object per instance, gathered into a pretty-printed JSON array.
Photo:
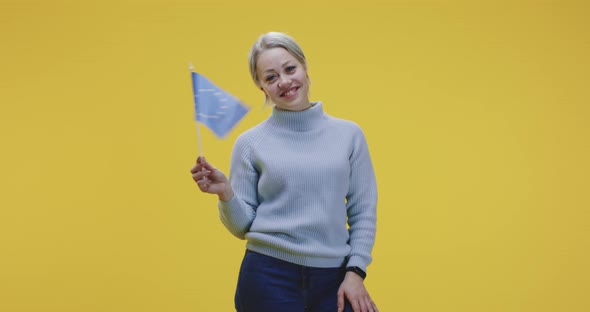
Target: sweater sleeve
[
  {"x": 361, "y": 203},
  {"x": 238, "y": 213}
]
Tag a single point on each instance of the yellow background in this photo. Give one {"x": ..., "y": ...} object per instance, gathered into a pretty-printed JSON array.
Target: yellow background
[{"x": 476, "y": 113}]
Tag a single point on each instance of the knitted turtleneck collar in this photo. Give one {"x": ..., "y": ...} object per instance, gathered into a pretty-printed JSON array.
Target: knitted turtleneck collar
[{"x": 299, "y": 120}]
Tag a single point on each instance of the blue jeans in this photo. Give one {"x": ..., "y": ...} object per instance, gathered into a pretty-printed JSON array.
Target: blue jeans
[{"x": 267, "y": 284}]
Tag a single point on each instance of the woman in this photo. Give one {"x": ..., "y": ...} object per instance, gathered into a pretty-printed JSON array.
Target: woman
[{"x": 296, "y": 180}]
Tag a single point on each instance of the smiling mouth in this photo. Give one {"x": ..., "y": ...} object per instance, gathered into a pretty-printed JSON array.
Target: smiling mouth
[{"x": 289, "y": 92}]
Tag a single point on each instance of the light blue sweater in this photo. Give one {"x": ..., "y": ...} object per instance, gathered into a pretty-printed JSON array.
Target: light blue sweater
[{"x": 298, "y": 177}]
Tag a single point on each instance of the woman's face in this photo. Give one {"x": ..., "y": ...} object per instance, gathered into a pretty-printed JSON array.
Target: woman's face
[{"x": 283, "y": 79}]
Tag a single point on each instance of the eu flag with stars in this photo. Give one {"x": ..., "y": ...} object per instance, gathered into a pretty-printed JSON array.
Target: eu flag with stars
[{"x": 215, "y": 108}]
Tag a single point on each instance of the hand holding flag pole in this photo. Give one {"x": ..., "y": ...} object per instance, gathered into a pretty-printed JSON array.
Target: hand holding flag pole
[{"x": 215, "y": 108}]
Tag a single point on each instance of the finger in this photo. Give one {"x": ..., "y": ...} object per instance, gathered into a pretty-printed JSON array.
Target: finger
[
  {"x": 208, "y": 166},
  {"x": 372, "y": 304},
  {"x": 340, "y": 301},
  {"x": 368, "y": 304},
  {"x": 199, "y": 175},
  {"x": 202, "y": 161},
  {"x": 355, "y": 305},
  {"x": 203, "y": 185},
  {"x": 201, "y": 165},
  {"x": 363, "y": 305}
]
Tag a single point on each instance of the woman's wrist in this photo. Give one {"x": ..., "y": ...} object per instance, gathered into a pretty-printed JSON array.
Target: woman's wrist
[
  {"x": 356, "y": 270},
  {"x": 227, "y": 194}
]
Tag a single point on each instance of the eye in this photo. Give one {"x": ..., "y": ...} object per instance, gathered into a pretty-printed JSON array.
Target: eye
[
  {"x": 290, "y": 68},
  {"x": 270, "y": 78}
]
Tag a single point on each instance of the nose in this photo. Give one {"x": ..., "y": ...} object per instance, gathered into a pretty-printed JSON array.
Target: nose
[{"x": 284, "y": 82}]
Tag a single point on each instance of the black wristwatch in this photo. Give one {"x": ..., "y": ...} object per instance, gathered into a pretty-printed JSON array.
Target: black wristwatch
[{"x": 357, "y": 270}]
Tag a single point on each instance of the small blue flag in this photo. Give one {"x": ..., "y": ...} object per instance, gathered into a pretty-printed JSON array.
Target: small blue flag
[{"x": 215, "y": 108}]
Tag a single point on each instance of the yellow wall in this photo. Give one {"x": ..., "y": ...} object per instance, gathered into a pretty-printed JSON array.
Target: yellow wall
[{"x": 476, "y": 114}]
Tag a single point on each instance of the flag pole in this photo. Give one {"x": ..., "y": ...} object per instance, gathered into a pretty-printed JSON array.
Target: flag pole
[
  {"x": 199, "y": 139},
  {"x": 199, "y": 142}
]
